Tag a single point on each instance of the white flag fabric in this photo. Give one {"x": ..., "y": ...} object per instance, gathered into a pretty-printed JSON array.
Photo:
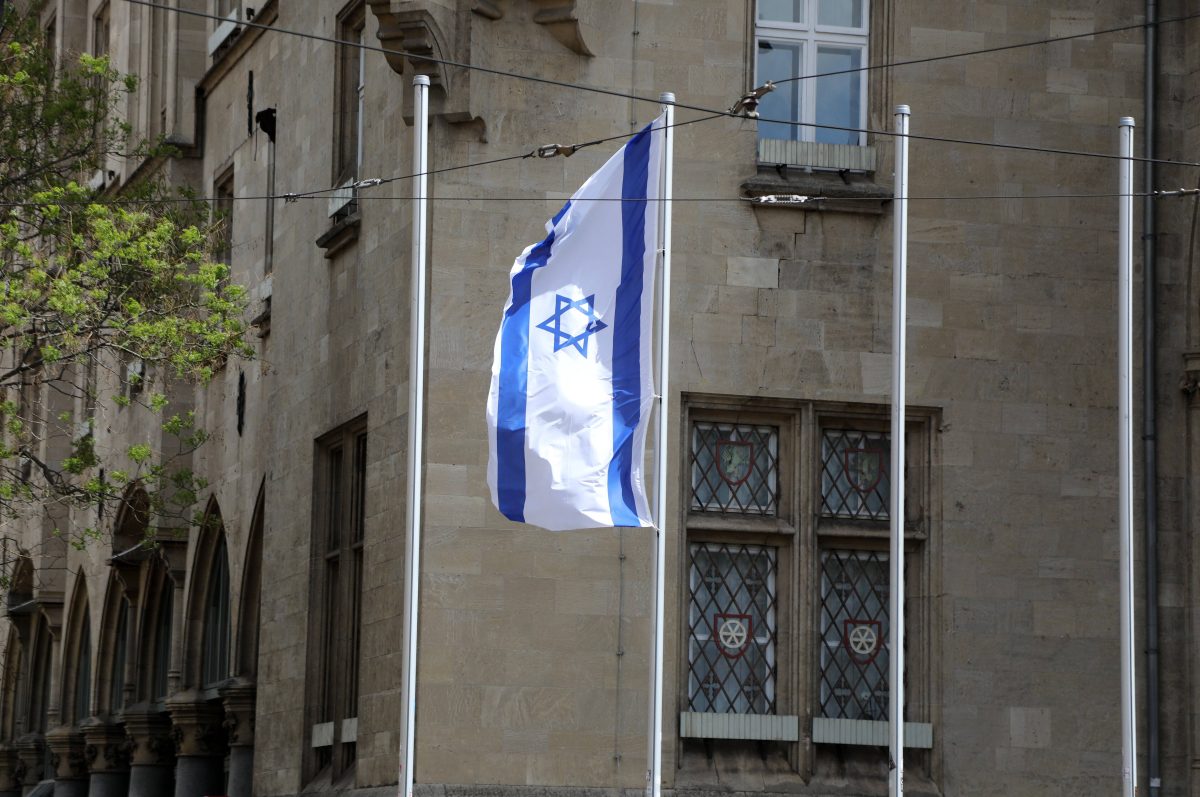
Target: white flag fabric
[{"x": 572, "y": 383}]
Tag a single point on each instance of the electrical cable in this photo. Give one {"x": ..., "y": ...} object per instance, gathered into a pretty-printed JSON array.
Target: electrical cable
[
  {"x": 988, "y": 50},
  {"x": 701, "y": 109},
  {"x": 813, "y": 200}
]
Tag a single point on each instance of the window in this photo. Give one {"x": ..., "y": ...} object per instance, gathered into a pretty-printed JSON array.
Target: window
[
  {"x": 223, "y": 216},
  {"x": 787, "y": 576},
  {"x": 732, "y": 628},
  {"x": 161, "y": 662},
  {"x": 809, "y": 37},
  {"x": 100, "y": 31},
  {"x": 216, "y": 620},
  {"x": 116, "y": 677},
  {"x": 734, "y": 468},
  {"x": 338, "y": 537},
  {"x": 351, "y": 91},
  {"x": 159, "y": 78},
  {"x": 83, "y": 674}
]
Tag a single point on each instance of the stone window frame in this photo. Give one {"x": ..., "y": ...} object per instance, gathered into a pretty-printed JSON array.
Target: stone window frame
[
  {"x": 801, "y": 533},
  {"x": 222, "y": 213},
  {"x": 115, "y": 633},
  {"x": 78, "y": 652},
  {"x": 349, "y": 93},
  {"x": 335, "y": 603},
  {"x": 210, "y": 581},
  {"x": 157, "y": 637}
]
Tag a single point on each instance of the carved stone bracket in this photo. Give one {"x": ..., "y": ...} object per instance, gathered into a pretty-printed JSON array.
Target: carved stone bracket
[
  {"x": 107, "y": 748},
  {"x": 197, "y": 722},
  {"x": 149, "y": 730},
  {"x": 413, "y": 28},
  {"x": 489, "y": 9},
  {"x": 67, "y": 753},
  {"x": 431, "y": 29},
  {"x": 565, "y": 19},
  {"x": 239, "y": 712}
]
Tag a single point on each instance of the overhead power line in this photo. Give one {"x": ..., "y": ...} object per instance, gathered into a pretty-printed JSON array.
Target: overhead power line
[
  {"x": 988, "y": 50},
  {"x": 765, "y": 201},
  {"x": 717, "y": 112}
]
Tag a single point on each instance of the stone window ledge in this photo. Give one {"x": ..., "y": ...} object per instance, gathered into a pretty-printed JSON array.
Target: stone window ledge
[
  {"x": 343, "y": 233},
  {"x": 845, "y": 192}
]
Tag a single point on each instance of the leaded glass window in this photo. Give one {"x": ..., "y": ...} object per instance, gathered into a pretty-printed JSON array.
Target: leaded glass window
[
  {"x": 216, "y": 620},
  {"x": 854, "y": 474},
  {"x": 854, "y": 633},
  {"x": 735, "y": 468},
  {"x": 732, "y": 630}
]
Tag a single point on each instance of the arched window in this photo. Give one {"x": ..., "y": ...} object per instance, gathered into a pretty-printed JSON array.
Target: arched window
[
  {"x": 116, "y": 673},
  {"x": 162, "y": 642},
  {"x": 216, "y": 619},
  {"x": 83, "y": 672}
]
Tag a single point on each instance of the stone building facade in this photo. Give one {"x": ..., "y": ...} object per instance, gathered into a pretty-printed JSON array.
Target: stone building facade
[{"x": 261, "y": 653}]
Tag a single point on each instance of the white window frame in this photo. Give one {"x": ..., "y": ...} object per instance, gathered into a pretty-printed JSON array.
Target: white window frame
[{"x": 810, "y": 36}]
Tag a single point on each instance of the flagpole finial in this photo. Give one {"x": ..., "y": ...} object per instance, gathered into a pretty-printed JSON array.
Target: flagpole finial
[
  {"x": 904, "y": 109},
  {"x": 1126, "y": 121},
  {"x": 420, "y": 80},
  {"x": 667, "y": 98}
]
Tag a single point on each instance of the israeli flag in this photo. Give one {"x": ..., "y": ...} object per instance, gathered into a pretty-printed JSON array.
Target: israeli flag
[{"x": 572, "y": 383}]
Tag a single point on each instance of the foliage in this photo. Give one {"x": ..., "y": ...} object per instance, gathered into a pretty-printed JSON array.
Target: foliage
[{"x": 108, "y": 300}]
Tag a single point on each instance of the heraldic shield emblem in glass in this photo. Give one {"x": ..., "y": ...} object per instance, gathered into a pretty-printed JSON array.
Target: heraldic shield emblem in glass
[
  {"x": 733, "y": 460},
  {"x": 862, "y": 639},
  {"x": 863, "y": 467},
  {"x": 733, "y": 633}
]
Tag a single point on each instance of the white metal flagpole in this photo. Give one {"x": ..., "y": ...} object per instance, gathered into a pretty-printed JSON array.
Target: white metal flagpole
[
  {"x": 896, "y": 509},
  {"x": 416, "y": 424},
  {"x": 1125, "y": 455},
  {"x": 654, "y": 757}
]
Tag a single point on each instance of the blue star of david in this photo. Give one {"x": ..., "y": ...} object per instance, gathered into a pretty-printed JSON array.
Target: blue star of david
[{"x": 563, "y": 338}]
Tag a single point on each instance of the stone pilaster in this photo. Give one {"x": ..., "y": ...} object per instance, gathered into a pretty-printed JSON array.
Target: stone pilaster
[
  {"x": 200, "y": 740},
  {"x": 239, "y": 729},
  {"x": 107, "y": 752},
  {"x": 10, "y": 786},
  {"x": 152, "y": 764},
  {"x": 66, "y": 747}
]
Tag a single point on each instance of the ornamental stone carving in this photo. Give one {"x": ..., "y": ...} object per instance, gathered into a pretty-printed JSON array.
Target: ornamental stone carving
[
  {"x": 67, "y": 753},
  {"x": 439, "y": 29},
  {"x": 149, "y": 732},
  {"x": 569, "y": 21},
  {"x": 30, "y": 749},
  {"x": 239, "y": 712},
  {"x": 197, "y": 725},
  {"x": 9, "y": 780}
]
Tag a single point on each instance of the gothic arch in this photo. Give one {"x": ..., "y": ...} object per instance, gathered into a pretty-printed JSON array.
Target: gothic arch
[
  {"x": 113, "y": 658},
  {"x": 156, "y": 630},
  {"x": 206, "y": 659},
  {"x": 76, "y": 699},
  {"x": 11, "y": 688},
  {"x": 251, "y": 594}
]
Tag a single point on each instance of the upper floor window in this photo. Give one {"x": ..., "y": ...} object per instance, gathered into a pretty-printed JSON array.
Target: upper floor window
[
  {"x": 351, "y": 91},
  {"x": 223, "y": 215},
  {"x": 801, "y": 38}
]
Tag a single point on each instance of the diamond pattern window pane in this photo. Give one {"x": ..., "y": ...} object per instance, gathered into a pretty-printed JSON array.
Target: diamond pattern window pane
[
  {"x": 732, "y": 629},
  {"x": 854, "y": 634},
  {"x": 854, "y": 474},
  {"x": 735, "y": 468}
]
